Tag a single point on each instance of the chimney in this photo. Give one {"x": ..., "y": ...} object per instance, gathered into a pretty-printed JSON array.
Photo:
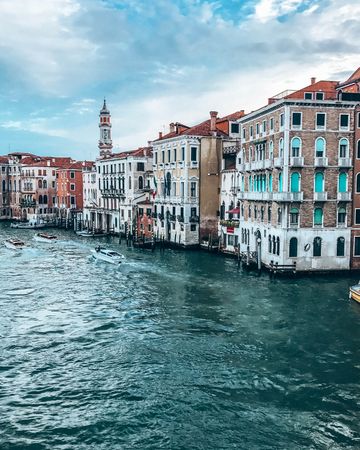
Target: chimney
[
  {"x": 160, "y": 135},
  {"x": 313, "y": 80},
  {"x": 213, "y": 116},
  {"x": 172, "y": 127}
]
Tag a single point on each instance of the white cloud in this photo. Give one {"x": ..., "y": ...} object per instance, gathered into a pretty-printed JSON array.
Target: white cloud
[{"x": 266, "y": 10}]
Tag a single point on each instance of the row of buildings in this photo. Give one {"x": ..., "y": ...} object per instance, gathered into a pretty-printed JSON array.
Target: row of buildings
[{"x": 281, "y": 183}]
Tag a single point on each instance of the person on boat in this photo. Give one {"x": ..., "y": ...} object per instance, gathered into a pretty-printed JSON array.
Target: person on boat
[{"x": 97, "y": 249}]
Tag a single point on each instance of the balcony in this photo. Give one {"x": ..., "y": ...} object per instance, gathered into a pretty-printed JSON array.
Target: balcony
[
  {"x": 181, "y": 164},
  {"x": 344, "y": 196},
  {"x": 297, "y": 161},
  {"x": 111, "y": 192},
  {"x": 172, "y": 217},
  {"x": 247, "y": 167},
  {"x": 320, "y": 196},
  {"x": 288, "y": 196},
  {"x": 194, "y": 219},
  {"x": 241, "y": 167},
  {"x": 278, "y": 162},
  {"x": 27, "y": 203},
  {"x": 229, "y": 223},
  {"x": 180, "y": 219},
  {"x": 320, "y": 161},
  {"x": 173, "y": 165},
  {"x": 258, "y": 165},
  {"x": 194, "y": 164},
  {"x": 261, "y": 196},
  {"x": 345, "y": 162},
  {"x": 269, "y": 163}
]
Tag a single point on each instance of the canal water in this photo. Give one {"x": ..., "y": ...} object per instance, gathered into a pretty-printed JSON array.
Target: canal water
[{"x": 173, "y": 350}]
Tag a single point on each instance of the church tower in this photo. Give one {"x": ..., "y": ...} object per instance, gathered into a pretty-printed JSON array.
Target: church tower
[{"x": 105, "y": 142}]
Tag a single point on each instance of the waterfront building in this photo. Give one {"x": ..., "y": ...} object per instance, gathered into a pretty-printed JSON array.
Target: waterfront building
[
  {"x": 90, "y": 196},
  {"x": 4, "y": 186},
  {"x": 294, "y": 180},
  {"x": 187, "y": 164}
]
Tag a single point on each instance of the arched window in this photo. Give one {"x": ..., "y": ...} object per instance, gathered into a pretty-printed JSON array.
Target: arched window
[
  {"x": 279, "y": 217},
  {"x": 168, "y": 183},
  {"x": 342, "y": 182},
  {"x": 318, "y": 216},
  {"x": 269, "y": 239},
  {"x": 343, "y": 148},
  {"x": 278, "y": 246},
  {"x": 271, "y": 149},
  {"x": 295, "y": 147},
  {"x": 293, "y": 247},
  {"x": 44, "y": 184},
  {"x": 280, "y": 184},
  {"x": 342, "y": 216},
  {"x": 295, "y": 182},
  {"x": 270, "y": 183},
  {"x": 3, "y": 186},
  {"x": 269, "y": 214},
  {"x": 129, "y": 182},
  {"x": 45, "y": 199},
  {"x": 358, "y": 182},
  {"x": 358, "y": 149},
  {"x": 40, "y": 184},
  {"x": 141, "y": 183},
  {"x": 340, "y": 246},
  {"x": 319, "y": 182},
  {"x": 294, "y": 216},
  {"x": 320, "y": 147},
  {"x": 281, "y": 147},
  {"x": 317, "y": 246},
  {"x": 40, "y": 199},
  {"x": 273, "y": 245}
]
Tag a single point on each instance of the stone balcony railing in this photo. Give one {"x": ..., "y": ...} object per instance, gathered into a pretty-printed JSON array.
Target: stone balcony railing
[
  {"x": 320, "y": 161},
  {"x": 320, "y": 196},
  {"x": 297, "y": 161},
  {"x": 345, "y": 162},
  {"x": 344, "y": 196},
  {"x": 278, "y": 162}
]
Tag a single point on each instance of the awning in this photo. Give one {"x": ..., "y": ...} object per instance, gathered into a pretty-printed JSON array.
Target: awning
[{"x": 234, "y": 211}]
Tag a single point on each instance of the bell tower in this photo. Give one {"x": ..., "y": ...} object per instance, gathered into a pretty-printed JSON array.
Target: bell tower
[{"x": 105, "y": 142}]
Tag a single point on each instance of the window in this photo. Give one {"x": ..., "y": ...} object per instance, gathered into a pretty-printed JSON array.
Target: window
[
  {"x": 319, "y": 96},
  {"x": 193, "y": 227},
  {"x": 280, "y": 184},
  {"x": 175, "y": 154},
  {"x": 72, "y": 174},
  {"x": 358, "y": 183},
  {"x": 318, "y": 216},
  {"x": 72, "y": 187},
  {"x": 294, "y": 216},
  {"x": 281, "y": 147},
  {"x": 296, "y": 120},
  {"x": 235, "y": 128},
  {"x": 257, "y": 129},
  {"x": 317, "y": 246},
  {"x": 279, "y": 216},
  {"x": 278, "y": 246},
  {"x": 282, "y": 120},
  {"x": 293, "y": 245},
  {"x": 140, "y": 167},
  {"x": 141, "y": 183},
  {"x": 182, "y": 153},
  {"x": 320, "y": 121},
  {"x": 269, "y": 246},
  {"x": 340, "y": 246},
  {"x": 319, "y": 182},
  {"x": 271, "y": 149},
  {"x": 295, "y": 182},
  {"x": 264, "y": 126},
  {"x": 344, "y": 121},
  {"x": 308, "y": 95},
  {"x": 269, "y": 214},
  {"x": 272, "y": 124},
  {"x": 45, "y": 200},
  {"x": 295, "y": 147},
  {"x": 163, "y": 156},
  {"x": 193, "y": 189},
  {"x": 342, "y": 187},
  {"x": 194, "y": 154},
  {"x": 357, "y": 246},
  {"x": 358, "y": 149},
  {"x": 251, "y": 131},
  {"x": 320, "y": 147},
  {"x": 343, "y": 148},
  {"x": 72, "y": 200},
  {"x": 342, "y": 216}
]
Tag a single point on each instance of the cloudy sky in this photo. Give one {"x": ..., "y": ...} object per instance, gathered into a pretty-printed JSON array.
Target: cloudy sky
[{"x": 156, "y": 62}]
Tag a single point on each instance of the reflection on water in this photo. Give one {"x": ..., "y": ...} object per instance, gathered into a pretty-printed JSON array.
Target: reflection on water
[{"x": 173, "y": 350}]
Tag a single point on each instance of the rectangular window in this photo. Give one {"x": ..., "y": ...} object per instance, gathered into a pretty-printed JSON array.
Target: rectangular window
[
  {"x": 272, "y": 124},
  {"x": 72, "y": 174},
  {"x": 169, "y": 155},
  {"x": 358, "y": 120},
  {"x": 193, "y": 227},
  {"x": 235, "y": 128},
  {"x": 281, "y": 120},
  {"x": 72, "y": 200},
  {"x": 193, "y": 153},
  {"x": 156, "y": 157},
  {"x": 344, "y": 121},
  {"x": 251, "y": 131},
  {"x": 357, "y": 216},
  {"x": 140, "y": 167},
  {"x": 257, "y": 129},
  {"x": 175, "y": 155},
  {"x": 182, "y": 153},
  {"x": 264, "y": 126},
  {"x": 244, "y": 132},
  {"x": 72, "y": 187},
  {"x": 319, "y": 96},
  {"x": 357, "y": 246},
  {"x": 308, "y": 96},
  {"x": 193, "y": 189},
  {"x": 163, "y": 156},
  {"x": 296, "y": 120},
  {"x": 320, "y": 121}
]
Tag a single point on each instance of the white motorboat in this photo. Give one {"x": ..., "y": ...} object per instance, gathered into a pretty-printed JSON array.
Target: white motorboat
[
  {"x": 106, "y": 255},
  {"x": 44, "y": 237},
  {"x": 14, "y": 244},
  {"x": 32, "y": 224},
  {"x": 88, "y": 233}
]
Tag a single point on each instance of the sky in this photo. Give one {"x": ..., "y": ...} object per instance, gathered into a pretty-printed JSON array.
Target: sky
[{"x": 157, "y": 62}]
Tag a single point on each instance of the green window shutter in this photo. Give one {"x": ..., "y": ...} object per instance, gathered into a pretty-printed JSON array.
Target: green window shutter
[
  {"x": 342, "y": 182},
  {"x": 319, "y": 182},
  {"x": 295, "y": 182}
]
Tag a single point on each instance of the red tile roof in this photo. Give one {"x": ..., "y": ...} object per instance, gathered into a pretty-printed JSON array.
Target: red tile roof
[{"x": 328, "y": 87}]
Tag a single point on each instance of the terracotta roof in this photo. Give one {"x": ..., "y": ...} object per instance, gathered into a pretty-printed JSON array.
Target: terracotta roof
[
  {"x": 234, "y": 116},
  {"x": 328, "y": 87},
  {"x": 138, "y": 152},
  {"x": 4, "y": 159},
  {"x": 354, "y": 76}
]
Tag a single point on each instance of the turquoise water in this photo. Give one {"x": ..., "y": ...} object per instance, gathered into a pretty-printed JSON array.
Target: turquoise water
[{"x": 173, "y": 350}]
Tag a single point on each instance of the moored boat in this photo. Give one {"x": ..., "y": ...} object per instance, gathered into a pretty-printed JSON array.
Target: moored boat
[
  {"x": 88, "y": 233},
  {"x": 107, "y": 255},
  {"x": 14, "y": 244},
  {"x": 45, "y": 237},
  {"x": 354, "y": 292}
]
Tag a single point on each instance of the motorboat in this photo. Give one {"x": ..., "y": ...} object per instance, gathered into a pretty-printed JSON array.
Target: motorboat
[
  {"x": 45, "y": 237},
  {"x": 14, "y": 244},
  {"x": 107, "y": 255},
  {"x": 32, "y": 224},
  {"x": 354, "y": 292},
  {"x": 89, "y": 233}
]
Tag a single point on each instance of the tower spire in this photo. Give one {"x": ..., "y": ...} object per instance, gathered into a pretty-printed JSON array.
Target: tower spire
[{"x": 105, "y": 142}]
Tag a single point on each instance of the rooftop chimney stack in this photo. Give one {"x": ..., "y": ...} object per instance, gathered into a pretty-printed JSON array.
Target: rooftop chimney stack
[
  {"x": 172, "y": 127},
  {"x": 213, "y": 117},
  {"x": 160, "y": 135},
  {"x": 313, "y": 80}
]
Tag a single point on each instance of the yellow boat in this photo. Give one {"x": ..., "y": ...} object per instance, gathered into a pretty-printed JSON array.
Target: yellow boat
[{"x": 354, "y": 292}]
